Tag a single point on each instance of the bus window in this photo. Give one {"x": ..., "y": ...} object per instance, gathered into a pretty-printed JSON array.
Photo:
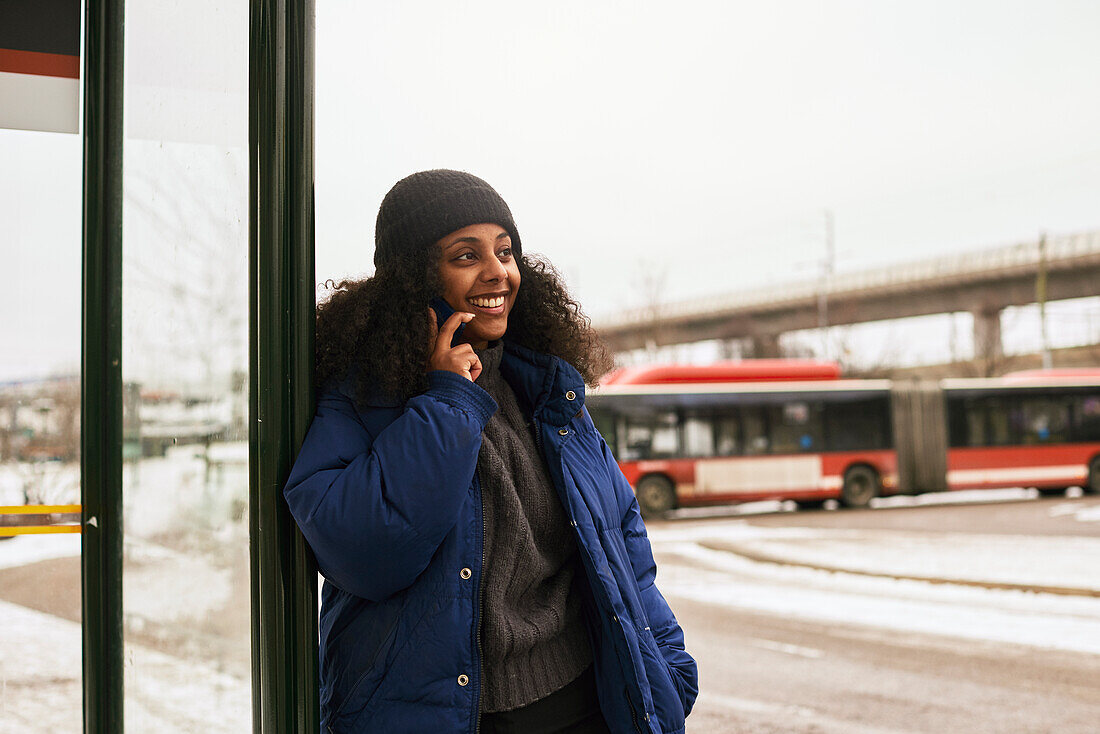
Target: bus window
[
  {"x": 796, "y": 427},
  {"x": 755, "y": 424},
  {"x": 858, "y": 425},
  {"x": 1003, "y": 422},
  {"x": 727, "y": 435},
  {"x": 698, "y": 436},
  {"x": 975, "y": 422},
  {"x": 1043, "y": 419},
  {"x": 1086, "y": 418},
  {"x": 958, "y": 423},
  {"x": 650, "y": 437}
]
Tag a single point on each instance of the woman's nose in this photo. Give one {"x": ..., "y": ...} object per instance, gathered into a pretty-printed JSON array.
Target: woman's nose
[{"x": 493, "y": 270}]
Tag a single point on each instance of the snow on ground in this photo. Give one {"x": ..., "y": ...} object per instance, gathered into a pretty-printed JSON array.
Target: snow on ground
[
  {"x": 185, "y": 488},
  {"x": 185, "y": 606},
  {"x": 24, "y": 549},
  {"x": 1022, "y": 618},
  {"x": 1087, "y": 513},
  {"x": 40, "y": 688},
  {"x": 688, "y": 569},
  {"x": 1026, "y": 560},
  {"x": 165, "y": 586},
  {"x": 1051, "y": 561}
]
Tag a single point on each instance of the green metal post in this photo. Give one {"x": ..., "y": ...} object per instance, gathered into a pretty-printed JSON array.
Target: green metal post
[
  {"x": 282, "y": 294},
  {"x": 101, "y": 369}
]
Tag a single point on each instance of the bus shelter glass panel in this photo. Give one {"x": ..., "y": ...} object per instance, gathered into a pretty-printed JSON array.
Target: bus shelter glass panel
[
  {"x": 40, "y": 261},
  {"x": 185, "y": 361}
]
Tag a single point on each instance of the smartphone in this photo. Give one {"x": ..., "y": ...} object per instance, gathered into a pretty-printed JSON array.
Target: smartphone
[{"x": 443, "y": 312}]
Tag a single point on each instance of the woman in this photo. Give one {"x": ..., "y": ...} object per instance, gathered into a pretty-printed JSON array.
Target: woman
[{"x": 486, "y": 568}]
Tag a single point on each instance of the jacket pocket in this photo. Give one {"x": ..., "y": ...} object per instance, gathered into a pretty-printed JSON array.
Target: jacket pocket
[
  {"x": 370, "y": 677},
  {"x": 666, "y": 698}
]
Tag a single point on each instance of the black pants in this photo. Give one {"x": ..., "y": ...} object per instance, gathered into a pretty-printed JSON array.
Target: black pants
[{"x": 574, "y": 709}]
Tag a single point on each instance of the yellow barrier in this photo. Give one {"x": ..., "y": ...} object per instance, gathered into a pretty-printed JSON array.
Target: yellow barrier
[
  {"x": 37, "y": 509},
  {"x": 10, "y": 530}
]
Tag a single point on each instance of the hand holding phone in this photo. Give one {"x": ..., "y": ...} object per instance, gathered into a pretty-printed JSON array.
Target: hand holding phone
[
  {"x": 443, "y": 311},
  {"x": 447, "y": 352}
]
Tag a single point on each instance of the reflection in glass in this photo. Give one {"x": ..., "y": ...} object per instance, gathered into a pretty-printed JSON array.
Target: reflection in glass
[{"x": 185, "y": 359}]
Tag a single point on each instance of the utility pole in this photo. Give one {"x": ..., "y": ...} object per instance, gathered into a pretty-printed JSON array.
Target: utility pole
[
  {"x": 826, "y": 278},
  {"x": 1041, "y": 297}
]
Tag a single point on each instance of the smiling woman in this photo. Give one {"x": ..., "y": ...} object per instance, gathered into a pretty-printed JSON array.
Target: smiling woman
[
  {"x": 480, "y": 276},
  {"x": 372, "y": 334},
  {"x": 486, "y": 566}
]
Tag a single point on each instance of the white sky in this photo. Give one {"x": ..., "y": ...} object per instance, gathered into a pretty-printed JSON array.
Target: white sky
[
  {"x": 706, "y": 139},
  {"x": 696, "y": 142}
]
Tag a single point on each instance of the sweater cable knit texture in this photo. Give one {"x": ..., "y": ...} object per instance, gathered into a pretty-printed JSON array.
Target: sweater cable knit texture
[{"x": 534, "y": 640}]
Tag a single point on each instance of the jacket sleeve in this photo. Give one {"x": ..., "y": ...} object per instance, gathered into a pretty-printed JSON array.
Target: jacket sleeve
[
  {"x": 666, "y": 630},
  {"x": 375, "y": 510}
]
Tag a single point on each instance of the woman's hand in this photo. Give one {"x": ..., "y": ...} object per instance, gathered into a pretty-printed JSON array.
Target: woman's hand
[{"x": 460, "y": 359}]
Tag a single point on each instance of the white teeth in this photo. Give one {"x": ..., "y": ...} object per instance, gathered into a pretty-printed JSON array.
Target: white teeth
[{"x": 488, "y": 302}]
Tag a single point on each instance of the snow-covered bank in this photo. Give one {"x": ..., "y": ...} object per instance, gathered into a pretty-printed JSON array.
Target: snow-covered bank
[
  {"x": 1023, "y": 618},
  {"x": 688, "y": 569},
  {"x": 1066, "y": 561}
]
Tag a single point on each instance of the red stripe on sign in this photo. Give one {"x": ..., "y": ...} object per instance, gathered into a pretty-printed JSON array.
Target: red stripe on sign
[{"x": 33, "y": 62}]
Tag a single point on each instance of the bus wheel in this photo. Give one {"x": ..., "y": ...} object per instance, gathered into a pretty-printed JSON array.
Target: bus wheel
[
  {"x": 860, "y": 487},
  {"x": 656, "y": 495},
  {"x": 1093, "y": 485}
]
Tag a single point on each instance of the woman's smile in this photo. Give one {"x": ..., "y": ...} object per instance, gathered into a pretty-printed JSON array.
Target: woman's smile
[{"x": 489, "y": 304}]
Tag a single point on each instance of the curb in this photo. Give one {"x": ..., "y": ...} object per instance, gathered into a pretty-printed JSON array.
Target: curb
[{"x": 760, "y": 557}]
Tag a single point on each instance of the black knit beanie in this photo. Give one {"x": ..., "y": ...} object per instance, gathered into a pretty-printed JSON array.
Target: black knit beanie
[{"x": 423, "y": 207}]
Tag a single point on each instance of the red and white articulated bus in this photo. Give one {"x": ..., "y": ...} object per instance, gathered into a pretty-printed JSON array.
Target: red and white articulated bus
[{"x": 794, "y": 429}]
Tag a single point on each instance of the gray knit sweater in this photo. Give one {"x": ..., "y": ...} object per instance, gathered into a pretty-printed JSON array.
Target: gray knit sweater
[{"x": 533, "y": 637}]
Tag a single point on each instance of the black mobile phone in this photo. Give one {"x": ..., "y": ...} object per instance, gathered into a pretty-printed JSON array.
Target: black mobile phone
[{"x": 443, "y": 311}]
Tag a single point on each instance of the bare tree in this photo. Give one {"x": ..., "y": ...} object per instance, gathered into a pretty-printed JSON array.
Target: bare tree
[{"x": 186, "y": 263}]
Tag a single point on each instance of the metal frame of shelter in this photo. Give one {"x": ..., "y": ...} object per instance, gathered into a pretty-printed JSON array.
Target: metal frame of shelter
[{"x": 281, "y": 305}]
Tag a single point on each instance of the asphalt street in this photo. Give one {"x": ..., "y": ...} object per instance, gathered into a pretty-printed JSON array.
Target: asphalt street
[{"x": 764, "y": 672}]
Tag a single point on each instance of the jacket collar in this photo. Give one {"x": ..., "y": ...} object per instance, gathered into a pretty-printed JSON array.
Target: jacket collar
[{"x": 544, "y": 382}]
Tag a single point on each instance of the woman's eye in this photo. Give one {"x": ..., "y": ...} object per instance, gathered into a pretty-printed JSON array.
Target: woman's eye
[
  {"x": 465, "y": 256},
  {"x": 505, "y": 253}
]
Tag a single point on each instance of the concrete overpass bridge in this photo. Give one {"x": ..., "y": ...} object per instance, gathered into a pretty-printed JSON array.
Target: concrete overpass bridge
[{"x": 982, "y": 283}]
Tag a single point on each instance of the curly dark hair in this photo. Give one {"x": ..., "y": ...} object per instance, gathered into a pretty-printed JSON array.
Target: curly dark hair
[{"x": 369, "y": 328}]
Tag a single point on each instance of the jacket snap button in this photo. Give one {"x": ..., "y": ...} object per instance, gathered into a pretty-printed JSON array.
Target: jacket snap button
[
  {"x": 463, "y": 679},
  {"x": 563, "y": 432},
  {"x": 465, "y": 573},
  {"x": 570, "y": 395}
]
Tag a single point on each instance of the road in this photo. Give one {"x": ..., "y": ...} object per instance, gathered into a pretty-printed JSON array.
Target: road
[{"x": 769, "y": 670}]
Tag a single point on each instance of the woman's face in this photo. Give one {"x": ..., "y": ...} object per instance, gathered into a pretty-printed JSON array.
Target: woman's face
[{"x": 481, "y": 277}]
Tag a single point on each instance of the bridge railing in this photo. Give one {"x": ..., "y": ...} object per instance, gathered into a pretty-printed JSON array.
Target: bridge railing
[{"x": 1060, "y": 249}]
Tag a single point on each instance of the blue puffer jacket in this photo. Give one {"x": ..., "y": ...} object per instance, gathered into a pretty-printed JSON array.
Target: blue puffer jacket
[{"x": 388, "y": 499}]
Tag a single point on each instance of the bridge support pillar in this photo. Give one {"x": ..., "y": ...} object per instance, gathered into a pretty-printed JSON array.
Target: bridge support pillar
[
  {"x": 764, "y": 346},
  {"x": 988, "y": 349}
]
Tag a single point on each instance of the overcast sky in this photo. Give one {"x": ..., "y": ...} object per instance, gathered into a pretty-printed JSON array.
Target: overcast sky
[
  {"x": 707, "y": 139},
  {"x": 700, "y": 141}
]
